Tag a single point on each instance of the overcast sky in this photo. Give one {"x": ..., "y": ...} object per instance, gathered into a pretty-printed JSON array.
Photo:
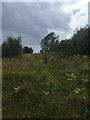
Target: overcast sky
[{"x": 34, "y": 20}]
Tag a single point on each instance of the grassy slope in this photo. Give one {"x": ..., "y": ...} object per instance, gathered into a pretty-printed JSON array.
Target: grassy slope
[{"x": 44, "y": 88}]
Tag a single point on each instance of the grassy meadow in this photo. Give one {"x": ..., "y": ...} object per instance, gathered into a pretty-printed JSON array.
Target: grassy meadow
[{"x": 45, "y": 86}]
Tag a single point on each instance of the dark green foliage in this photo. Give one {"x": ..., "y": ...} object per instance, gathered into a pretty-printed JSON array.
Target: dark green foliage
[
  {"x": 78, "y": 44},
  {"x": 12, "y": 47},
  {"x": 27, "y": 50},
  {"x": 80, "y": 41},
  {"x": 49, "y": 43}
]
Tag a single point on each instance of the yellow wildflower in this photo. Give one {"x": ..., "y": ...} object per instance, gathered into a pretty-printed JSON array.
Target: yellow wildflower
[
  {"x": 84, "y": 97},
  {"x": 46, "y": 93},
  {"x": 74, "y": 76},
  {"x": 40, "y": 61},
  {"x": 67, "y": 74},
  {"x": 70, "y": 76},
  {"x": 16, "y": 89},
  {"x": 77, "y": 90},
  {"x": 84, "y": 80}
]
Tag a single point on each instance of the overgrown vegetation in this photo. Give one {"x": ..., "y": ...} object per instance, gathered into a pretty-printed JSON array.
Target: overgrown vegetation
[
  {"x": 26, "y": 49},
  {"x": 12, "y": 47},
  {"x": 34, "y": 88},
  {"x": 50, "y": 84},
  {"x": 78, "y": 44}
]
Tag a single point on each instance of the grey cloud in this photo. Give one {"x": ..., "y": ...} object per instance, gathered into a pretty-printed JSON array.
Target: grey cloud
[{"x": 33, "y": 20}]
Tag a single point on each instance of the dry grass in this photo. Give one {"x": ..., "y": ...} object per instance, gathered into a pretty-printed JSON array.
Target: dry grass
[{"x": 43, "y": 88}]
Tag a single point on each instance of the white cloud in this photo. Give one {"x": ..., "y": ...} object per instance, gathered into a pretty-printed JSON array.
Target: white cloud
[{"x": 79, "y": 13}]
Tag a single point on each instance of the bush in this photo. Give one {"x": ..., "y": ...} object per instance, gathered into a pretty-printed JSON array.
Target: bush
[
  {"x": 12, "y": 47},
  {"x": 27, "y": 50},
  {"x": 78, "y": 44}
]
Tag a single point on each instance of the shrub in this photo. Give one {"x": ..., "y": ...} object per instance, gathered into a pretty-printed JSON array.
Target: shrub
[{"x": 12, "y": 47}]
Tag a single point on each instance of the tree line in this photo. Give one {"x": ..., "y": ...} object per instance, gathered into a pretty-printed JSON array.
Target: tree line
[
  {"x": 78, "y": 44},
  {"x": 12, "y": 47}
]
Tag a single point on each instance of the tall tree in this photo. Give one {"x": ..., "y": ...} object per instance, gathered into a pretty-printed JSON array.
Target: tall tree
[
  {"x": 78, "y": 44},
  {"x": 49, "y": 42}
]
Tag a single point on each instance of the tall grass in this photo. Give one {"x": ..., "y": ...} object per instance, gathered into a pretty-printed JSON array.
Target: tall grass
[{"x": 34, "y": 87}]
